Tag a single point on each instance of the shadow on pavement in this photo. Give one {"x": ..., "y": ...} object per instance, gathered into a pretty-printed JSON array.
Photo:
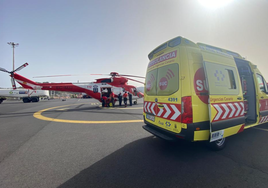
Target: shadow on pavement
[
  {"x": 150, "y": 157},
  {"x": 152, "y": 162}
]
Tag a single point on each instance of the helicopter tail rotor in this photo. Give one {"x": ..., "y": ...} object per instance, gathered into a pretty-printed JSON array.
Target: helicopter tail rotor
[
  {"x": 20, "y": 67},
  {"x": 13, "y": 83},
  {"x": 4, "y": 70},
  {"x": 12, "y": 73}
]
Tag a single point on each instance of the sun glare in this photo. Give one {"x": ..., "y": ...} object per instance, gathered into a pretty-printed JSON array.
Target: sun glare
[{"x": 214, "y": 4}]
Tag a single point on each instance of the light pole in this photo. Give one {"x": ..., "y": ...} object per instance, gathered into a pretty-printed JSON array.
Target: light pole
[{"x": 13, "y": 46}]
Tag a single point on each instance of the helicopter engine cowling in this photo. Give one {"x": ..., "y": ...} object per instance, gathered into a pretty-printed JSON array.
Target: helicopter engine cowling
[{"x": 120, "y": 80}]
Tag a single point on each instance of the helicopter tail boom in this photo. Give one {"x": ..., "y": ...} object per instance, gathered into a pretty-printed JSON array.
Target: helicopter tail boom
[{"x": 26, "y": 83}]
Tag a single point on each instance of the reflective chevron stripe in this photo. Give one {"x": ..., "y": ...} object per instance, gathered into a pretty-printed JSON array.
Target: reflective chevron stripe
[
  {"x": 161, "y": 110},
  {"x": 233, "y": 110},
  {"x": 263, "y": 119},
  {"x": 148, "y": 107},
  {"x": 168, "y": 111},
  {"x": 228, "y": 110},
  {"x": 177, "y": 112},
  {"x": 152, "y": 108}
]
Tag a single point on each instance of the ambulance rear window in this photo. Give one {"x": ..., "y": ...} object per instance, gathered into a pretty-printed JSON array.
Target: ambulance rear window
[
  {"x": 160, "y": 48},
  {"x": 163, "y": 81},
  {"x": 168, "y": 79},
  {"x": 151, "y": 82}
]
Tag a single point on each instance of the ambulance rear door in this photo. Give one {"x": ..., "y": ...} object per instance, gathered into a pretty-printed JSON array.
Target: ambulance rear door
[{"x": 226, "y": 105}]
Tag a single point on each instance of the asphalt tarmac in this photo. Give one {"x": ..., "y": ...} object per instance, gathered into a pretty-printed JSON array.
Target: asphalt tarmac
[{"x": 76, "y": 143}]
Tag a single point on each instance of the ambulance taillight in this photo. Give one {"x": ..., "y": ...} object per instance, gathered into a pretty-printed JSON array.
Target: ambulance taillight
[{"x": 186, "y": 110}]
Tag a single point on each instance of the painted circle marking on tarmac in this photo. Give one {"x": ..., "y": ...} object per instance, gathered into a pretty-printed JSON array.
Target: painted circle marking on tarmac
[{"x": 39, "y": 115}]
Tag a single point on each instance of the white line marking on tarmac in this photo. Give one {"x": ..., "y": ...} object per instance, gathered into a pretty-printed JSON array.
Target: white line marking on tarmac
[
  {"x": 261, "y": 129},
  {"x": 63, "y": 109}
]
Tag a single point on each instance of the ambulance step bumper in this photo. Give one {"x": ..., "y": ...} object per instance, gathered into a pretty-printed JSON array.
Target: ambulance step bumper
[{"x": 161, "y": 133}]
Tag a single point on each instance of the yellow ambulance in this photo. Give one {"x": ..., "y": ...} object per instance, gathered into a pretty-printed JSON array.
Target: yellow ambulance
[{"x": 199, "y": 92}]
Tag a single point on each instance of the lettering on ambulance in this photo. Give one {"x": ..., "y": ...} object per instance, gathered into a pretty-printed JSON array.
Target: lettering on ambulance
[
  {"x": 162, "y": 58},
  {"x": 200, "y": 85}
]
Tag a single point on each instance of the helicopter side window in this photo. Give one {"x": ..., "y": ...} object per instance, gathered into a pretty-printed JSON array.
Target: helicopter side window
[
  {"x": 135, "y": 91},
  {"x": 107, "y": 81}
]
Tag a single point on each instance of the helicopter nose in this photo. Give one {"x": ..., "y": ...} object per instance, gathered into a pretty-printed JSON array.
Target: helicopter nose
[{"x": 140, "y": 95}]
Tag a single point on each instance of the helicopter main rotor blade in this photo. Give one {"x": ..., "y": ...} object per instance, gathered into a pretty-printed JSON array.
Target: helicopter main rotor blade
[
  {"x": 119, "y": 75},
  {"x": 20, "y": 67},
  {"x": 54, "y": 76},
  {"x": 135, "y": 80},
  {"x": 4, "y": 70},
  {"x": 60, "y": 75},
  {"x": 101, "y": 74},
  {"x": 131, "y": 76}
]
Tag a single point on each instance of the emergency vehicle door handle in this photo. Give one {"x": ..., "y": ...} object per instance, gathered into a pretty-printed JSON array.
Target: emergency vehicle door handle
[
  {"x": 262, "y": 97},
  {"x": 239, "y": 98}
]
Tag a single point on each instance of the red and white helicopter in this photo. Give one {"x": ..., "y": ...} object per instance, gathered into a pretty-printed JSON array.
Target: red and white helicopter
[{"x": 116, "y": 83}]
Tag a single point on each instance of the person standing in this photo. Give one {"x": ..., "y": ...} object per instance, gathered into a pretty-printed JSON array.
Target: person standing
[
  {"x": 104, "y": 100},
  {"x": 112, "y": 98},
  {"x": 130, "y": 98},
  {"x": 125, "y": 98},
  {"x": 120, "y": 98}
]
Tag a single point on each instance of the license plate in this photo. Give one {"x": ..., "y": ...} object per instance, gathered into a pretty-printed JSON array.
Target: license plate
[
  {"x": 216, "y": 135},
  {"x": 150, "y": 117}
]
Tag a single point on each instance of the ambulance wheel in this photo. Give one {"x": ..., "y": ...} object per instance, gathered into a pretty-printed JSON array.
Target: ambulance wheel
[{"x": 217, "y": 145}]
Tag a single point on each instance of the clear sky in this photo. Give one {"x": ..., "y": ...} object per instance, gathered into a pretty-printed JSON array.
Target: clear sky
[{"x": 100, "y": 36}]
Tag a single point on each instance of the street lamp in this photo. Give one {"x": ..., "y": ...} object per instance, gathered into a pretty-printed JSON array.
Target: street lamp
[{"x": 13, "y": 46}]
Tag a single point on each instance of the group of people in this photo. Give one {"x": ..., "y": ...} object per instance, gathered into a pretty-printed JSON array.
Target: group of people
[
  {"x": 124, "y": 96},
  {"x": 110, "y": 99},
  {"x": 107, "y": 98}
]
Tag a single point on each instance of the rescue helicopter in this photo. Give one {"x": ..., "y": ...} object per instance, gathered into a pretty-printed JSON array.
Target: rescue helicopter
[{"x": 117, "y": 83}]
